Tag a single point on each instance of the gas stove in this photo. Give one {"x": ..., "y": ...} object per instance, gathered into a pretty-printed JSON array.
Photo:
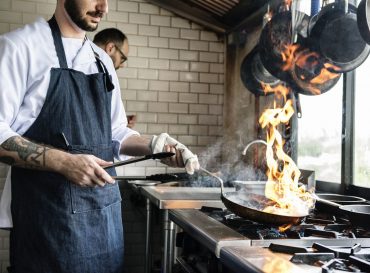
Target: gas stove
[{"x": 322, "y": 243}]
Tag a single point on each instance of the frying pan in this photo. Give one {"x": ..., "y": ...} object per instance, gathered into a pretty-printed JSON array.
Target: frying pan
[
  {"x": 254, "y": 74},
  {"x": 336, "y": 36},
  {"x": 251, "y": 206},
  {"x": 363, "y": 20},
  {"x": 357, "y": 214}
]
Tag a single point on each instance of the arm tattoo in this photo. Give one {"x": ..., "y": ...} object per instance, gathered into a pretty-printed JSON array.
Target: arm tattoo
[{"x": 32, "y": 155}]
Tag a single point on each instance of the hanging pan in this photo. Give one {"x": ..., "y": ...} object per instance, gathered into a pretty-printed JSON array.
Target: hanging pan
[
  {"x": 363, "y": 20},
  {"x": 336, "y": 36},
  {"x": 251, "y": 206},
  {"x": 254, "y": 75}
]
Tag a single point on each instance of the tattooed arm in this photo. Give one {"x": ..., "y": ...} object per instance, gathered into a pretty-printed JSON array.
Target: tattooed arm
[{"x": 81, "y": 169}]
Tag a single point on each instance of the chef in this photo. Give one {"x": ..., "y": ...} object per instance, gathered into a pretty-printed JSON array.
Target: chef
[{"x": 62, "y": 121}]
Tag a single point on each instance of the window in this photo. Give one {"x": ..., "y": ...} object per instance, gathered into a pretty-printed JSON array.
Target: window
[
  {"x": 319, "y": 134},
  {"x": 362, "y": 126}
]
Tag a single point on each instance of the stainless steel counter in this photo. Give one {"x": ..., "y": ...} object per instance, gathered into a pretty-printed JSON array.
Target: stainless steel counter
[
  {"x": 213, "y": 234},
  {"x": 257, "y": 259},
  {"x": 166, "y": 198}
]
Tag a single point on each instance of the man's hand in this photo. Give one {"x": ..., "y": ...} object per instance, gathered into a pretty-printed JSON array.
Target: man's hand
[
  {"x": 86, "y": 170},
  {"x": 183, "y": 156}
]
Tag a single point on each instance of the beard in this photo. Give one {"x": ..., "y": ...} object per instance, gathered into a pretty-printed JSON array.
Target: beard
[{"x": 73, "y": 10}]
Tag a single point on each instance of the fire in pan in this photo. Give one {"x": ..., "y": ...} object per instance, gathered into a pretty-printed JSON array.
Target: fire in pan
[{"x": 251, "y": 206}]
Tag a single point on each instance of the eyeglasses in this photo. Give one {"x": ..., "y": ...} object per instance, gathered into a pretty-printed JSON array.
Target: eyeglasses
[{"x": 123, "y": 56}]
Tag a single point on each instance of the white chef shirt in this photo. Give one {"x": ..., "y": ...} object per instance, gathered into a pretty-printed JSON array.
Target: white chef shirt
[{"x": 26, "y": 57}]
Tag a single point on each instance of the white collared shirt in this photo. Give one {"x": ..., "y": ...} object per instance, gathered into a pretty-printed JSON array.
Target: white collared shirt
[{"x": 26, "y": 57}]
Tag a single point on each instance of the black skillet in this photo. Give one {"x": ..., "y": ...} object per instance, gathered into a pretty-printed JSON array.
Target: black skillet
[
  {"x": 275, "y": 37},
  {"x": 251, "y": 206},
  {"x": 363, "y": 20},
  {"x": 253, "y": 74},
  {"x": 335, "y": 35}
]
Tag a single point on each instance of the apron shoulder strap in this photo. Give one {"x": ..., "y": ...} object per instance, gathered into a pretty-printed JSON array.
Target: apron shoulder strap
[{"x": 57, "y": 37}]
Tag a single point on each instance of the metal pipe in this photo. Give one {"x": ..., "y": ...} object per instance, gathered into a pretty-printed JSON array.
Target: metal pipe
[{"x": 148, "y": 233}]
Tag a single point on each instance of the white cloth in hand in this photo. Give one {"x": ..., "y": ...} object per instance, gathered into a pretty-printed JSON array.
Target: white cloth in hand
[{"x": 190, "y": 160}]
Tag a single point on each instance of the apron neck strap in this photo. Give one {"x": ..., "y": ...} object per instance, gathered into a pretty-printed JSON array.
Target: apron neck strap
[{"x": 57, "y": 37}]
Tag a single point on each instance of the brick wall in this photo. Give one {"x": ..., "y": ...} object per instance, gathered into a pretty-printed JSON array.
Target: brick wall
[{"x": 173, "y": 82}]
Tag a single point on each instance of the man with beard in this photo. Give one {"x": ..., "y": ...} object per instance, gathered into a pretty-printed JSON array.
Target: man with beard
[{"x": 61, "y": 122}]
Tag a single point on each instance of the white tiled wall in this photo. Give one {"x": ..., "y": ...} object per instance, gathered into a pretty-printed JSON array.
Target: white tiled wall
[{"x": 173, "y": 82}]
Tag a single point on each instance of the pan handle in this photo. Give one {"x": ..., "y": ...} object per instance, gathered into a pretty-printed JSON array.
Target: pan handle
[{"x": 215, "y": 176}]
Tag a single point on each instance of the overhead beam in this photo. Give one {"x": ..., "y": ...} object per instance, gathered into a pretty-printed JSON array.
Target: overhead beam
[{"x": 192, "y": 13}]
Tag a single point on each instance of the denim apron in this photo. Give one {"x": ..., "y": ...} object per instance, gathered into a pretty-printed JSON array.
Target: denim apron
[{"x": 59, "y": 227}]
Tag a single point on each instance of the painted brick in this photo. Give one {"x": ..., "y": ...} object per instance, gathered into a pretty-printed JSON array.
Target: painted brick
[
  {"x": 188, "y": 98},
  {"x": 189, "y": 34},
  {"x": 179, "y": 44},
  {"x": 137, "y": 63},
  {"x": 169, "y": 32},
  {"x": 123, "y": 83},
  {"x": 148, "y": 8},
  {"x": 199, "y": 45},
  {"x": 179, "y": 65},
  {"x": 189, "y": 76},
  {"x": 208, "y": 120},
  {"x": 118, "y": 16},
  {"x": 4, "y": 27},
  {"x": 158, "y": 42},
  {"x": 206, "y": 140},
  {"x": 47, "y": 9},
  {"x": 166, "y": 12},
  {"x": 217, "y": 88},
  {"x": 161, "y": 20},
  {"x": 138, "y": 84},
  {"x": 10, "y": 17},
  {"x": 208, "y": 36},
  {"x": 198, "y": 130},
  {"x": 208, "y": 99},
  {"x": 178, "y": 108},
  {"x": 137, "y": 18},
  {"x": 138, "y": 40},
  {"x": 221, "y": 78},
  {"x": 158, "y": 107},
  {"x": 148, "y": 30},
  {"x": 221, "y": 58},
  {"x": 29, "y": 18},
  {"x": 179, "y": 86},
  {"x": 15, "y": 26},
  {"x": 189, "y": 55},
  {"x": 128, "y": 72},
  {"x": 208, "y": 78},
  {"x": 24, "y": 6},
  {"x": 157, "y": 128},
  {"x": 5, "y": 4},
  {"x": 198, "y": 109},
  {"x": 188, "y": 140},
  {"x": 188, "y": 119},
  {"x": 128, "y": 29},
  {"x": 216, "y": 47},
  {"x": 159, "y": 64},
  {"x": 141, "y": 127},
  {"x": 180, "y": 22},
  {"x": 208, "y": 57},
  {"x": 167, "y": 118},
  {"x": 137, "y": 106},
  {"x": 151, "y": 170},
  {"x": 215, "y": 109},
  {"x": 199, "y": 87},
  {"x": 169, "y": 96},
  {"x": 148, "y": 74},
  {"x": 147, "y": 95},
  {"x": 217, "y": 68},
  {"x": 159, "y": 85},
  {"x": 147, "y": 117},
  {"x": 199, "y": 67},
  {"x": 172, "y": 54},
  {"x": 178, "y": 129},
  {"x": 168, "y": 75},
  {"x": 147, "y": 52},
  {"x": 127, "y": 6},
  {"x": 215, "y": 130}
]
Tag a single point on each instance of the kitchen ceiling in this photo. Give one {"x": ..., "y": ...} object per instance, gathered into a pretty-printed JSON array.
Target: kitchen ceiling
[{"x": 222, "y": 16}]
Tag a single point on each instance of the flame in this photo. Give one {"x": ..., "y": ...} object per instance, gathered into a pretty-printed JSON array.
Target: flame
[
  {"x": 284, "y": 227},
  {"x": 283, "y": 174}
]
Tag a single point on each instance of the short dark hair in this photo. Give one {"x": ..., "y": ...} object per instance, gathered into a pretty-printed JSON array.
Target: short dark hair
[{"x": 109, "y": 35}]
